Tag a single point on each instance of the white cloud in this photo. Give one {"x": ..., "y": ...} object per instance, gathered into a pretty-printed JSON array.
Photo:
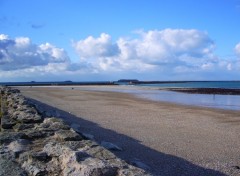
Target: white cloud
[
  {"x": 237, "y": 49},
  {"x": 96, "y": 47},
  {"x": 152, "y": 49},
  {"x": 20, "y": 53},
  {"x": 169, "y": 53},
  {"x": 3, "y": 37}
]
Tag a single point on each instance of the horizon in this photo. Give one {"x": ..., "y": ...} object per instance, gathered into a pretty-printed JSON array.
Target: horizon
[
  {"x": 105, "y": 40},
  {"x": 106, "y": 81}
]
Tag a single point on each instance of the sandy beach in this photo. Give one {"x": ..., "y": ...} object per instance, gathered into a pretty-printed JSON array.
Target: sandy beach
[{"x": 169, "y": 139}]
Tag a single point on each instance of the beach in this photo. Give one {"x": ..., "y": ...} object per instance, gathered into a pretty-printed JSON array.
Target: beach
[{"x": 166, "y": 138}]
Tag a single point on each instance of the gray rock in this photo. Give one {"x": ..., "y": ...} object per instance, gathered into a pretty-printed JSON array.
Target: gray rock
[
  {"x": 77, "y": 145},
  {"x": 28, "y": 118},
  {"x": 35, "y": 168},
  {"x": 10, "y": 167},
  {"x": 140, "y": 164},
  {"x": 100, "y": 153},
  {"x": 53, "y": 124},
  {"x": 21, "y": 127},
  {"x": 40, "y": 156},
  {"x": 67, "y": 135},
  {"x": 110, "y": 146},
  {"x": 89, "y": 167},
  {"x": 7, "y": 137},
  {"x": 38, "y": 134},
  {"x": 77, "y": 128},
  {"x": 54, "y": 149},
  {"x": 19, "y": 146},
  {"x": 7, "y": 122}
]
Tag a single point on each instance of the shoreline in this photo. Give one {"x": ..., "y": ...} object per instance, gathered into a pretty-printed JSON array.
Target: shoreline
[
  {"x": 189, "y": 97},
  {"x": 35, "y": 141},
  {"x": 164, "y": 136}
]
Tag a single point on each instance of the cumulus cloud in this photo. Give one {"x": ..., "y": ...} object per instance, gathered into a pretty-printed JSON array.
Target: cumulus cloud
[
  {"x": 151, "y": 50},
  {"x": 96, "y": 47},
  {"x": 169, "y": 53},
  {"x": 237, "y": 49},
  {"x": 21, "y": 53}
]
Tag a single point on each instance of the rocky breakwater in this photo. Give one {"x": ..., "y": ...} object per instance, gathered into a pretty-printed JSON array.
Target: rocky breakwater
[{"x": 33, "y": 144}]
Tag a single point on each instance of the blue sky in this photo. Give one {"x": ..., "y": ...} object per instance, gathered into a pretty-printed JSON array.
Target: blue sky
[{"x": 96, "y": 40}]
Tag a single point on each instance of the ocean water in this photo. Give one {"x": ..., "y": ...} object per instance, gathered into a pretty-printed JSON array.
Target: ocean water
[
  {"x": 198, "y": 84},
  {"x": 151, "y": 92}
]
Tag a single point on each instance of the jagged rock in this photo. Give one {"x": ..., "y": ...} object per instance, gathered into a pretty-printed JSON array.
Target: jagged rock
[
  {"x": 88, "y": 167},
  {"x": 140, "y": 164},
  {"x": 77, "y": 128},
  {"x": 131, "y": 172},
  {"x": 111, "y": 146},
  {"x": 67, "y": 135},
  {"x": 53, "y": 124},
  {"x": 25, "y": 117},
  {"x": 10, "y": 167},
  {"x": 7, "y": 137},
  {"x": 100, "y": 153},
  {"x": 7, "y": 122},
  {"x": 22, "y": 126},
  {"x": 41, "y": 156},
  {"x": 19, "y": 146},
  {"x": 54, "y": 149},
  {"x": 37, "y": 134},
  {"x": 35, "y": 168}
]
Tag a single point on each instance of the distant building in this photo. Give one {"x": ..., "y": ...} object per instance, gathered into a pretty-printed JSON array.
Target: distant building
[{"x": 126, "y": 81}]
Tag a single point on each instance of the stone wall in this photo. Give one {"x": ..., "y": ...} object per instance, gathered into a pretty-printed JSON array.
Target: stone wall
[{"x": 33, "y": 144}]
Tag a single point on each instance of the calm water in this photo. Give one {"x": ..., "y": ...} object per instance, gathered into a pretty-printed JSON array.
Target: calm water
[
  {"x": 199, "y": 84},
  {"x": 229, "y": 102}
]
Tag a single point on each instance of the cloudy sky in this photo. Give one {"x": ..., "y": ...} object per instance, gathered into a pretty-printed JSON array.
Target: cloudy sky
[{"x": 95, "y": 40}]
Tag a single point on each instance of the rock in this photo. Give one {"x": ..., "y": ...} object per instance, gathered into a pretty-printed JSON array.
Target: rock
[
  {"x": 87, "y": 136},
  {"x": 100, "y": 153},
  {"x": 67, "y": 135},
  {"x": 79, "y": 145},
  {"x": 89, "y": 167},
  {"x": 7, "y": 137},
  {"x": 41, "y": 156},
  {"x": 77, "y": 128},
  {"x": 35, "y": 168},
  {"x": 53, "y": 124},
  {"x": 28, "y": 118},
  {"x": 138, "y": 163},
  {"x": 9, "y": 167},
  {"x": 21, "y": 127},
  {"x": 7, "y": 122},
  {"x": 54, "y": 149},
  {"x": 110, "y": 146},
  {"x": 37, "y": 134},
  {"x": 19, "y": 146}
]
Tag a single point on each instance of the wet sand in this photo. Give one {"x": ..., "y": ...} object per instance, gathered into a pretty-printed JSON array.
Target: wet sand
[{"x": 171, "y": 139}]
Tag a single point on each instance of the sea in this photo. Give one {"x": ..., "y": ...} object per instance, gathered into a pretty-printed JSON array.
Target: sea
[
  {"x": 154, "y": 91},
  {"x": 228, "y": 102}
]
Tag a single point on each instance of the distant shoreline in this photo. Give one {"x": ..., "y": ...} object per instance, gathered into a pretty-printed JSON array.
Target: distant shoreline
[{"x": 119, "y": 82}]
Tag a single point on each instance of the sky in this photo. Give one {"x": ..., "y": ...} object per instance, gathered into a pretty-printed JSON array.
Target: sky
[{"x": 106, "y": 40}]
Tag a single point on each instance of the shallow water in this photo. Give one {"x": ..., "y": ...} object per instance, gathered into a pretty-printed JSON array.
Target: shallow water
[{"x": 229, "y": 102}]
